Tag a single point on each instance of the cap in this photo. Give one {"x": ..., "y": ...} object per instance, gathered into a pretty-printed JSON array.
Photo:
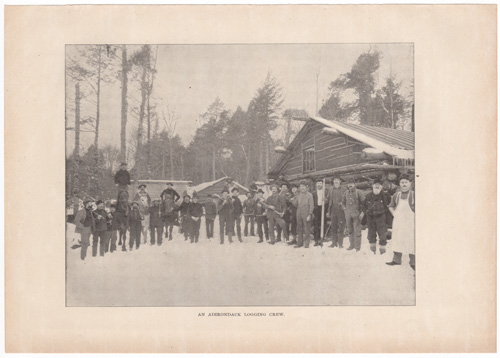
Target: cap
[
  {"x": 98, "y": 202},
  {"x": 260, "y": 191},
  {"x": 171, "y": 184},
  {"x": 235, "y": 189},
  {"x": 304, "y": 182},
  {"x": 404, "y": 176},
  {"x": 142, "y": 186},
  {"x": 337, "y": 177},
  {"x": 123, "y": 163},
  {"x": 225, "y": 190},
  {"x": 377, "y": 181},
  {"x": 186, "y": 196},
  {"x": 351, "y": 181}
]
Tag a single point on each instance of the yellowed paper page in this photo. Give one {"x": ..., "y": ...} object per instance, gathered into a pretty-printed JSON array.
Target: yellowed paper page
[{"x": 455, "y": 82}]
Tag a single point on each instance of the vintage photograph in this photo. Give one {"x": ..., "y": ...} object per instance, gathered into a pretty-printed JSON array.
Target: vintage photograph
[{"x": 212, "y": 175}]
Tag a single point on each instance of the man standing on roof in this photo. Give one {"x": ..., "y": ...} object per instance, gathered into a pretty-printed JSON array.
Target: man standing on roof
[{"x": 171, "y": 191}]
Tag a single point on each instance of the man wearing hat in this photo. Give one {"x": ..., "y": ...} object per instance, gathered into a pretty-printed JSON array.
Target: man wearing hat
[
  {"x": 236, "y": 214},
  {"x": 402, "y": 206},
  {"x": 352, "y": 203},
  {"x": 185, "y": 219},
  {"x": 210, "y": 213},
  {"x": 321, "y": 198},
  {"x": 85, "y": 225},
  {"x": 170, "y": 191},
  {"x": 156, "y": 223},
  {"x": 195, "y": 212},
  {"x": 375, "y": 207},
  {"x": 260, "y": 216},
  {"x": 101, "y": 227},
  {"x": 134, "y": 221},
  {"x": 144, "y": 200},
  {"x": 225, "y": 212},
  {"x": 122, "y": 178},
  {"x": 249, "y": 213},
  {"x": 336, "y": 213},
  {"x": 293, "y": 214},
  {"x": 285, "y": 193},
  {"x": 276, "y": 208},
  {"x": 305, "y": 206}
]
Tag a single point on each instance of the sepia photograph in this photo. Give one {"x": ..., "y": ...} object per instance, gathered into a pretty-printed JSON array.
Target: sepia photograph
[{"x": 240, "y": 175}]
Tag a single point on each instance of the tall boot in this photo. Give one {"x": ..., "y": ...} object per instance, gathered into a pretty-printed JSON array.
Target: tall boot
[
  {"x": 396, "y": 259},
  {"x": 373, "y": 248}
]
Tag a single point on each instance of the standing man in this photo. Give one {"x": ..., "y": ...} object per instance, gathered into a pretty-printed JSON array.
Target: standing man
[
  {"x": 134, "y": 220},
  {"x": 122, "y": 178},
  {"x": 144, "y": 200},
  {"x": 336, "y": 213},
  {"x": 305, "y": 206},
  {"x": 320, "y": 199},
  {"x": 170, "y": 190},
  {"x": 225, "y": 212},
  {"x": 85, "y": 225},
  {"x": 195, "y": 212},
  {"x": 352, "y": 205},
  {"x": 236, "y": 214},
  {"x": 276, "y": 207},
  {"x": 168, "y": 210},
  {"x": 210, "y": 214},
  {"x": 249, "y": 213},
  {"x": 375, "y": 207},
  {"x": 285, "y": 193},
  {"x": 260, "y": 216},
  {"x": 293, "y": 215},
  {"x": 99, "y": 236},
  {"x": 156, "y": 223},
  {"x": 402, "y": 207},
  {"x": 185, "y": 218}
]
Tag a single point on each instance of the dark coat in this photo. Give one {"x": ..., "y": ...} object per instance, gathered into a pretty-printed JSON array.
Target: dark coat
[
  {"x": 225, "y": 207},
  {"x": 376, "y": 205},
  {"x": 195, "y": 209},
  {"x": 101, "y": 220},
  {"x": 170, "y": 191},
  {"x": 249, "y": 207},
  {"x": 210, "y": 210},
  {"x": 184, "y": 208},
  {"x": 155, "y": 219},
  {"x": 122, "y": 177},
  {"x": 237, "y": 206},
  {"x": 134, "y": 218}
]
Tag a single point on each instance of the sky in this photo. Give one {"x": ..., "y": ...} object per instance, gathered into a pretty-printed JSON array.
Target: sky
[{"x": 190, "y": 77}]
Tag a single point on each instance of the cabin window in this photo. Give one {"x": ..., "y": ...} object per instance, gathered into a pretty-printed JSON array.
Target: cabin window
[{"x": 308, "y": 159}]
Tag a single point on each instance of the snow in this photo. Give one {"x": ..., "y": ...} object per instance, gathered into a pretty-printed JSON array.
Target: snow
[
  {"x": 208, "y": 184},
  {"x": 179, "y": 273}
]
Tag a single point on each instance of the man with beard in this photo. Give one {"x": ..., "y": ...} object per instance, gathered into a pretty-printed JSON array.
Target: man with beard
[
  {"x": 352, "y": 204},
  {"x": 336, "y": 213},
  {"x": 375, "y": 208}
]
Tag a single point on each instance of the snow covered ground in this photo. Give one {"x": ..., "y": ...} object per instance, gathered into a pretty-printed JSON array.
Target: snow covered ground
[{"x": 179, "y": 273}]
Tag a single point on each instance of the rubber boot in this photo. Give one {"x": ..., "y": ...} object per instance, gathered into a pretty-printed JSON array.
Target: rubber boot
[
  {"x": 412, "y": 261},
  {"x": 396, "y": 259}
]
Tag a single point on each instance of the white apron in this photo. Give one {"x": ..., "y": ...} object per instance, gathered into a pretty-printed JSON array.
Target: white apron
[{"x": 403, "y": 228}]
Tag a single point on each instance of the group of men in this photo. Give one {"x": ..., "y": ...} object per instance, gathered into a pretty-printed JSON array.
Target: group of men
[{"x": 291, "y": 213}]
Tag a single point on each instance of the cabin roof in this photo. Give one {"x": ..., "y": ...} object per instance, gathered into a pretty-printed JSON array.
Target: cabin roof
[
  {"x": 209, "y": 184},
  {"x": 395, "y": 142}
]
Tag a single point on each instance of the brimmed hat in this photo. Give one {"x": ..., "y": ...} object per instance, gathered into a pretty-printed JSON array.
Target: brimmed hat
[
  {"x": 141, "y": 186},
  {"x": 98, "y": 202},
  {"x": 186, "y": 195},
  {"x": 273, "y": 186},
  {"x": 377, "y": 181},
  {"x": 260, "y": 191},
  {"x": 135, "y": 202},
  {"x": 123, "y": 163},
  {"x": 293, "y": 186},
  {"x": 351, "y": 181},
  {"x": 303, "y": 182},
  {"x": 225, "y": 190},
  {"x": 336, "y": 177},
  {"x": 404, "y": 176},
  {"x": 235, "y": 189},
  {"x": 170, "y": 183}
]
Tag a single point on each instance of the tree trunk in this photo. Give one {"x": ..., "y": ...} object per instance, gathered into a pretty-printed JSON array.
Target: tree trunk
[
  {"x": 213, "y": 163},
  {"x": 96, "y": 139},
  {"x": 123, "y": 132},
  {"x": 248, "y": 167},
  {"x": 261, "y": 161},
  {"x": 77, "y": 120},
  {"x": 140, "y": 127},
  {"x": 170, "y": 149}
]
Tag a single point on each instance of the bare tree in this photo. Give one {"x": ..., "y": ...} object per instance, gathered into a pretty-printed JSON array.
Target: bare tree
[{"x": 170, "y": 118}]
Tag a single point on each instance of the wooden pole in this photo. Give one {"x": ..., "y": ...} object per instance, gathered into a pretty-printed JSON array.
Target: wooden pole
[{"x": 323, "y": 214}]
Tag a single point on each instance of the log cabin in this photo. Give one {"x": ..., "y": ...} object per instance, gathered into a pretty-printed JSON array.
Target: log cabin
[{"x": 324, "y": 148}]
